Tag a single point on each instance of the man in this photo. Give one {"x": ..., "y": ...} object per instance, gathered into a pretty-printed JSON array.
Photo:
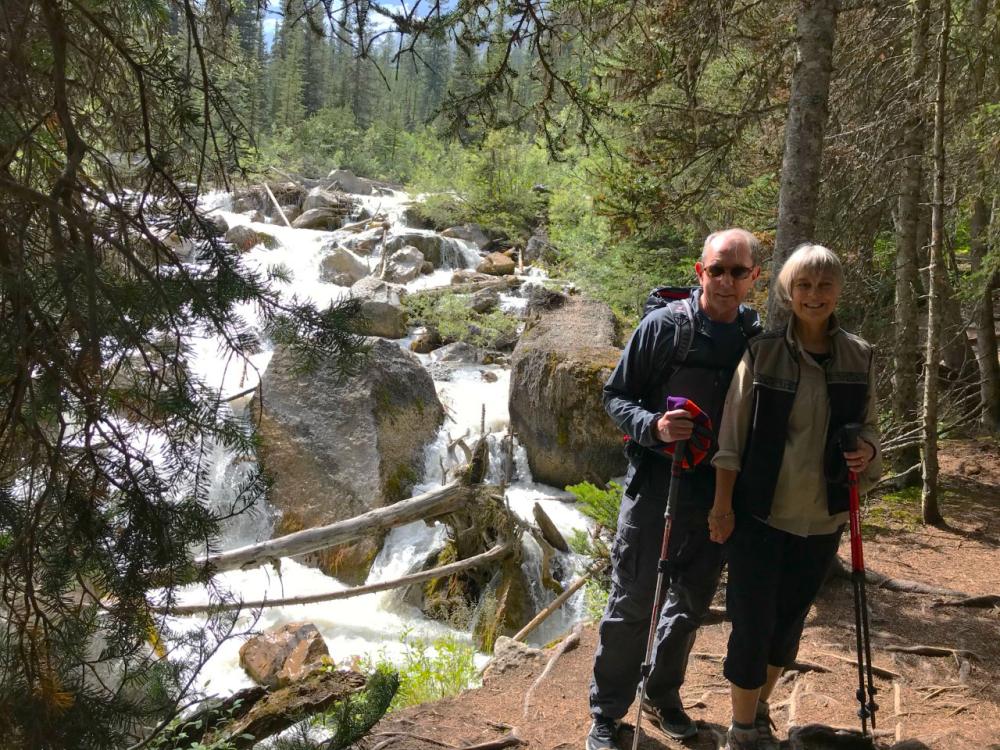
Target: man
[{"x": 649, "y": 370}]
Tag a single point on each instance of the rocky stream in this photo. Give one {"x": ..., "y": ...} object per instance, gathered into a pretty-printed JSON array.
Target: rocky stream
[{"x": 405, "y": 424}]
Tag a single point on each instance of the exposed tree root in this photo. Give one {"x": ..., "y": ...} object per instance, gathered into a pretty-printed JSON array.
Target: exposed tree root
[
  {"x": 984, "y": 602},
  {"x": 922, "y": 650},
  {"x": 568, "y": 643}
]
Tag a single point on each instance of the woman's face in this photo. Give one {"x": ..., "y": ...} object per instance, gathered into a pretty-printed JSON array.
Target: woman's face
[{"x": 814, "y": 297}]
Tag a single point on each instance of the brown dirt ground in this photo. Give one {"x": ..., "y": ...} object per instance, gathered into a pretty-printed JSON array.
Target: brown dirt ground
[{"x": 944, "y": 703}]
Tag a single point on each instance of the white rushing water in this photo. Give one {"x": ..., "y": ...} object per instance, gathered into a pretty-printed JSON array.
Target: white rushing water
[{"x": 374, "y": 625}]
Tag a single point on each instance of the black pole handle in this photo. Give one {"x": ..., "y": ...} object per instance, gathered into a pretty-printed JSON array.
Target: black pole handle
[{"x": 849, "y": 435}]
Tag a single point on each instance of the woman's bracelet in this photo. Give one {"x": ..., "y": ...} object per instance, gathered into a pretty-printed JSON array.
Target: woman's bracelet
[{"x": 713, "y": 514}]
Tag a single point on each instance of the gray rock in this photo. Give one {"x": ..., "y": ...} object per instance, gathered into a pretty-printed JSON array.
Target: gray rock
[
  {"x": 218, "y": 223},
  {"x": 558, "y": 369},
  {"x": 485, "y": 300},
  {"x": 320, "y": 198},
  {"x": 383, "y": 319},
  {"x": 365, "y": 242},
  {"x": 291, "y": 212},
  {"x": 412, "y": 217},
  {"x": 345, "y": 180},
  {"x": 374, "y": 288},
  {"x": 338, "y": 447},
  {"x": 433, "y": 247},
  {"x": 342, "y": 267},
  {"x": 425, "y": 341},
  {"x": 456, "y": 353},
  {"x": 509, "y": 655},
  {"x": 539, "y": 249},
  {"x": 470, "y": 233},
  {"x": 243, "y": 237},
  {"x": 319, "y": 218},
  {"x": 404, "y": 265}
]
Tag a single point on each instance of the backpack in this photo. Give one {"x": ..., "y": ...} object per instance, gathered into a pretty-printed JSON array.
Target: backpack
[{"x": 680, "y": 300}]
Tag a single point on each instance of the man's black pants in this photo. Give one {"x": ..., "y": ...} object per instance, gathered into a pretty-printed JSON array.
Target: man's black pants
[{"x": 693, "y": 575}]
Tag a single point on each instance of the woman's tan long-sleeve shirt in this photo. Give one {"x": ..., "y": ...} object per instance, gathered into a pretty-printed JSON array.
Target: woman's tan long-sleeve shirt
[{"x": 799, "y": 506}]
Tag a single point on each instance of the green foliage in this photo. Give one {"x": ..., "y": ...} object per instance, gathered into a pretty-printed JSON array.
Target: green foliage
[
  {"x": 431, "y": 670},
  {"x": 350, "y": 719},
  {"x": 491, "y": 184},
  {"x": 600, "y": 505},
  {"x": 892, "y": 509},
  {"x": 452, "y": 316}
]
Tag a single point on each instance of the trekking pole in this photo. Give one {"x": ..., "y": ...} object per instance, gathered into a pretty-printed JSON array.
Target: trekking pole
[
  {"x": 867, "y": 709},
  {"x": 661, "y": 570}
]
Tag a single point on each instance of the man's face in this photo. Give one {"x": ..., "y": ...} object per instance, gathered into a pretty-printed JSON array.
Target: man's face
[{"x": 726, "y": 274}]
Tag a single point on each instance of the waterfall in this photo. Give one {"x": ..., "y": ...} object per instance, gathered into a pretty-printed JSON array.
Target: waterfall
[{"x": 474, "y": 396}]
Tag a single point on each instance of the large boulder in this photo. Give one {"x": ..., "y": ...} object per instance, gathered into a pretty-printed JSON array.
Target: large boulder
[
  {"x": 497, "y": 264},
  {"x": 348, "y": 182},
  {"x": 326, "y": 218},
  {"x": 371, "y": 287},
  {"x": 342, "y": 267},
  {"x": 558, "y": 368},
  {"x": 539, "y": 248},
  {"x": 383, "y": 319},
  {"x": 337, "y": 447},
  {"x": 431, "y": 246},
  {"x": 320, "y": 198},
  {"x": 404, "y": 265},
  {"x": 364, "y": 242},
  {"x": 243, "y": 237},
  {"x": 470, "y": 233},
  {"x": 282, "y": 656}
]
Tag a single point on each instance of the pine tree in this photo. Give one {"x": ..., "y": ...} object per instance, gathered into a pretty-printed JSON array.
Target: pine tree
[{"x": 105, "y": 433}]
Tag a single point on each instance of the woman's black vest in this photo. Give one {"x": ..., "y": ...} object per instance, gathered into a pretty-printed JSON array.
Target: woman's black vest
[{"x": 775, "y": 381}]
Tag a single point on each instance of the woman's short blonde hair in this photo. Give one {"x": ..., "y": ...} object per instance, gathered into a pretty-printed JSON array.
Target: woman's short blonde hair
[{"x": 806, "y": 260}]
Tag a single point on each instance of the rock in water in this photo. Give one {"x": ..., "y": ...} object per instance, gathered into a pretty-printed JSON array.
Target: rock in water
[
  {"x": 550, "y": 533},
  {"x": 339, "y": 447},
  {"x": 497, "y": 264},
  {"x": 341, "y": 266},
  {"x": 284, "y": 655},
  {"x": 558, "y": 368}
]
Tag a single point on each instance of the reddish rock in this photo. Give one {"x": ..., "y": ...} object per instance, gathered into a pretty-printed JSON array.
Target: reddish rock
[
  {"x": 497, "y": 264},
  {"x": 274, "y": 659}
]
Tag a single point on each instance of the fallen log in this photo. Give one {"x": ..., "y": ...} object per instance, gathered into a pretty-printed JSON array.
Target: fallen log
[
  {"x": 558, "y": 601},
  {"x": 467, "y": 287},
  {"x": 264, "y": 714},
  {"x": 437, "y": 502},
  {"x": 495, "y": 553}
]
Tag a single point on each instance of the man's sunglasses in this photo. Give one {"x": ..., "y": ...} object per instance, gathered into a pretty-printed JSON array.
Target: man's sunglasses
[{"x": 737, "y": 272}]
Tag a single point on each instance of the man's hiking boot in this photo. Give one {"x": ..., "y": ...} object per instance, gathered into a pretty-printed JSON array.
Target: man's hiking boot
[
  {"x": 742, "y": 739},
  {"x": 766, "y": 740},
  {"x": 603, "y": 734},
  {"x": 673, "y": 722}
]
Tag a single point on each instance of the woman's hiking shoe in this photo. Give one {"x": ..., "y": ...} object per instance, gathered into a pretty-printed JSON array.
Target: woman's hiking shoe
[
  {"x": 603, "y": 734},
  {"x": 673, "y": 722},
  {"x": 742, "y": 739},
  {"x": 766, "y": 739}
]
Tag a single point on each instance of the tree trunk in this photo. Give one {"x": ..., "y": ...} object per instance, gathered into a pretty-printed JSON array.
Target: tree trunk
[
  {"x": 805, "y": 125},
  {"x": 979, "y": 224},
  {"x": 929, "y": 494},
  {"x": 908, "y": 288}
]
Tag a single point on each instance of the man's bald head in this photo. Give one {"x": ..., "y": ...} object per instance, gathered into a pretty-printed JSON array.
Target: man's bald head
[{"x": 733, "y": 235}]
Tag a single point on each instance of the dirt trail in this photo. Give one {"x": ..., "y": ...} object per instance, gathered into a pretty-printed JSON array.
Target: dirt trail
[{"x": 947, "y": 702}]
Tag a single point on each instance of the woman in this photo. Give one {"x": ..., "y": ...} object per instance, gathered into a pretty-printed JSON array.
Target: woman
[{"x": 792, "y": 393}]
